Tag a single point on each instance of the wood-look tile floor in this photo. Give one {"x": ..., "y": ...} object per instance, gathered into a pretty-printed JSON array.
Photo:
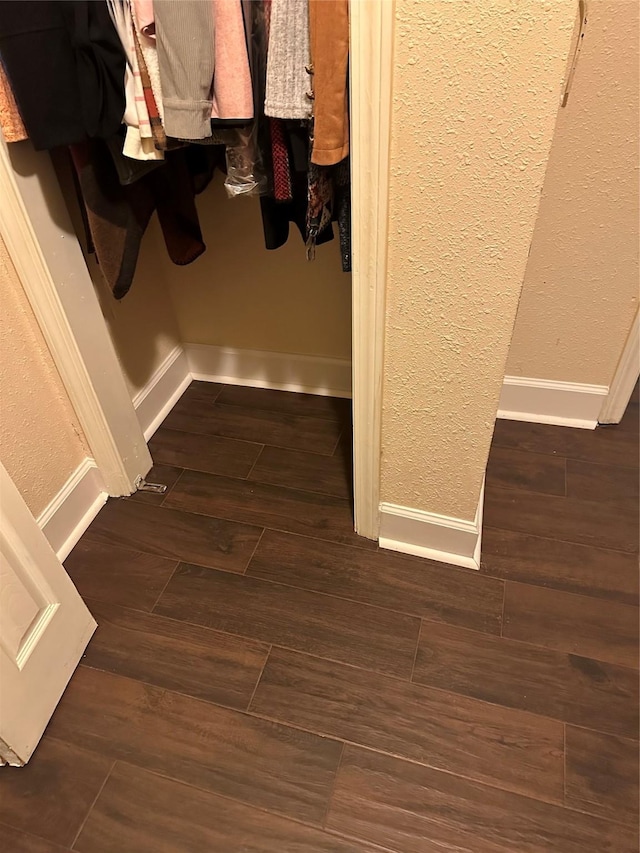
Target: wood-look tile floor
[{"x": 264, "y": 681}]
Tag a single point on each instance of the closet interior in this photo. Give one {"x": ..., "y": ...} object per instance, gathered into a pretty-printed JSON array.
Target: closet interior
[{"x": 272, "y": 274}]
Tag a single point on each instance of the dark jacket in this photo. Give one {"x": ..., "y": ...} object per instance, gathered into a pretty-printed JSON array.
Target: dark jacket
[{"x": 66, "y": 66}]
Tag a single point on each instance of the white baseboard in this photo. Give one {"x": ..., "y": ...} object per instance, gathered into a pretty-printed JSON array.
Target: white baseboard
[
  {"x": 543, "y": 401},
  {"x": 154, "y": 402},
  {"x": 281, "y": 371},
  {"x": 428, "y": 534},
  {"x": 73, "y": 509}
]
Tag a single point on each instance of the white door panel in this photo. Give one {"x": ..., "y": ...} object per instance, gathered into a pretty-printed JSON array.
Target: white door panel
[{"x": 44, "y": 627}]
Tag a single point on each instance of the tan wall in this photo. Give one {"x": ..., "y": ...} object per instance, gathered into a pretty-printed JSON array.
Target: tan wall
[
  {"x": 476, "y": 91},
  {"x": 143, "y": 324},
  {"x": 581, "y": 285},
  {"x": 41, "y": 442},
  {"x": 238, "y": 294}
]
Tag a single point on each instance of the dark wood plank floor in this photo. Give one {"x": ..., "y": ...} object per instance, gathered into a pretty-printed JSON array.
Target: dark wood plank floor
[{"x": 264, "y": 681}]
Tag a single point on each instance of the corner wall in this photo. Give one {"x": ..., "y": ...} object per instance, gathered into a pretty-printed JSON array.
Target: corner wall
[
  {"x": 476, "y": 92},
  {"x": 580, "y": 290},
  {"x": 41, "y": 441}
]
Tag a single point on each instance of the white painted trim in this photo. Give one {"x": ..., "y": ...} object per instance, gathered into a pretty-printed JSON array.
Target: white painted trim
[
  {"x": 544, "y": 401},
  {"x": 35, "y": 227},
  {"x": 169, "y": 382},
  {"x": 73, "y": 509},
  {"x": 282, "y": 371},
  {"x": 437, "y": 537},
  {"x": 371, "y": 69},
  {"x": 625, "y": 378}
]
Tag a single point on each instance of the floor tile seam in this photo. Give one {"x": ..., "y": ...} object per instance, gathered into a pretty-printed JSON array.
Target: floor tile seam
[
  {"x": 491, "y": 483},
  {"x": 253, "y": 553},
  {"x": 260, "y": 479},
  {"x": 553, "y": 539},
  {"x": 421, "y": 618},
  {"x": 543, "y": 649},
  {"x": 255, "y": 462},
  {"x": 630, "y": 740},
  {"x": 563, "y": 457},
  {"x": 411, "y": 614},
  {"x": 29, "y": 833},
  {"x": 288, "y": 818},
  {"x": 200, "y": 434},
  {"x": 338, "y": 440},
  {"x": 567, "y": 456},
  {"x": 259, "y": 679},
  {"x": 495, "y": 786},
  {"x": 412, "y": 679},
  {"x": 91, "y": 600},
  {"x": 249, "y": 441},
  {"x": 553, "y": 803},
  {"x": 91, "y": 807},
  {"x": 251, "y": 712},
  {"x": 559, "y": 720},
  {"x": 171, "y": 487},
  {"x": 266, "y": 410},
  {"x": 566, "y": 592},
  {"x": 559, "y": 539},
  {"x": 88, "y": 538},
  {"x": 160, "y": 594},
  {"x": 274, "y": 485},
  {"x": 91, "y": 535},
  {"x": 616, "y": 503},
  {"x": 202, "y": 471},
  {"x": 564, "y": 765},
  {"x": 399, "y": 679},
  {"x": 324, "y": 595},
  {"x": 334, "y": 782}
]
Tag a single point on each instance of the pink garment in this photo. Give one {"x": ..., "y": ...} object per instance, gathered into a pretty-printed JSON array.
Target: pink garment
[
  {"x": 232, "y": 93},
  {"x": 145, "y": 18}
]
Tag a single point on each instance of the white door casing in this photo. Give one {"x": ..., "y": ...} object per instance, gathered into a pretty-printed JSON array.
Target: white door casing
[
  {"x": 624, "y": 379},
  {"x": 44, "y": 627},
  {"x": 371, "y": 70},
  {"x": 35, "y": 226}
]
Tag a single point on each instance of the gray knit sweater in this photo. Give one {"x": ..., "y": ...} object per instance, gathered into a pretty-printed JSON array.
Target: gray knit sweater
[{"x": 288, "y": 81}]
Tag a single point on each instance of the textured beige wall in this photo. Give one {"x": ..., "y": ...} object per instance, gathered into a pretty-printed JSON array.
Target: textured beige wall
[
  {"x": 41, "y": 442},
  {"x": 476, "y": 91},
  {"x": 240, "y": 295},
  {"x": 581, "y": 286}
]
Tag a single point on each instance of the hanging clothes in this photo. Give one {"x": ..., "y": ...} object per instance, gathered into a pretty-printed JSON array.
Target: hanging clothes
[
  {"x": 288, "y": 88},
  {"x": 138, "y": 143},
  {"x": 118, "y": 214},
  {"x": 184, "y": 35},
  {"x": 66, "y": 67},
  {"x": 232, "y": 92},
  {"x": 145, "y": 43},
  {"x": 143, "y": 12},
  {"x": 329, "y": 38},
  {"x": 169, "y": 84}
]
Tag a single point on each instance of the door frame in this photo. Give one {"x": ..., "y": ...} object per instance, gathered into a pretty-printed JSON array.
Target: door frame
[
  {"x": 41, "y": 242},
  {"x": 624, "y": 379}
]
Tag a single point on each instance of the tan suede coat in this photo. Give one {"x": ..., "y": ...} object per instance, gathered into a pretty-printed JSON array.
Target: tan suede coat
[{"x": 329, "y": 41}]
